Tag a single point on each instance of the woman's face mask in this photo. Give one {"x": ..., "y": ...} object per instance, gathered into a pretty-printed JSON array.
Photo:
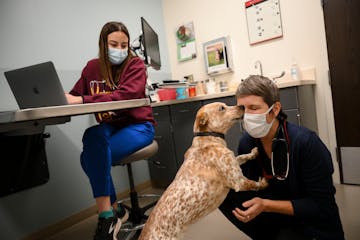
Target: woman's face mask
[
  {"x": 255, "y": 124},
  {"x": 117, "y": 56}
]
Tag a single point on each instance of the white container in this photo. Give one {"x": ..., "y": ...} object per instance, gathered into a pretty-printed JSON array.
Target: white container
[
  {"x": 211, "y": 86},
  {"x": 294, "y": 71}
]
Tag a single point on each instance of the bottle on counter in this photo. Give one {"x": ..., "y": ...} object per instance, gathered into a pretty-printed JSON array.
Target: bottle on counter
[
  {"x": 200, "y": 88},
  {"x": 294, "y": 71},
  {"x": 211, "y": 86}
]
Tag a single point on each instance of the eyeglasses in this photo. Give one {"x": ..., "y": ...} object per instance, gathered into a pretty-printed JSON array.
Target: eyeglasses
[{"x": 280, "y": 158}]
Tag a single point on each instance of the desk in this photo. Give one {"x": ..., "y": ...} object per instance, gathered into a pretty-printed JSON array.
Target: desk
[
  {"x": 23, "y": 158},
  {"x": 12, "y": 122}
]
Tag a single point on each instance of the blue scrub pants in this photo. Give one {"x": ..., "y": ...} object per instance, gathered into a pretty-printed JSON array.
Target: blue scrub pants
[{"x": 104, "y": 144}]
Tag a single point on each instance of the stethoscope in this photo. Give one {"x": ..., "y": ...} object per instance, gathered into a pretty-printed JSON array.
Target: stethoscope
[{"x": 280, "y": 157}]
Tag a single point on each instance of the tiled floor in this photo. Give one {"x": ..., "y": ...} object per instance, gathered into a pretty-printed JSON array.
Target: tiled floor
[{"x": 215, "y": 226}]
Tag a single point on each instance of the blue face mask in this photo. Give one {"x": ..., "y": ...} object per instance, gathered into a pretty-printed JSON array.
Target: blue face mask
[{"x": 117, "y": 56}]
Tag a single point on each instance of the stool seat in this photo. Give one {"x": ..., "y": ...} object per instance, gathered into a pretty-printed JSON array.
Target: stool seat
[{"x": 141, "y": 154}]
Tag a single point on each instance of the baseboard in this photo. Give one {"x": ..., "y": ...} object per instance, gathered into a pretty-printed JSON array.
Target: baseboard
[{"x": 52, "y": 229}]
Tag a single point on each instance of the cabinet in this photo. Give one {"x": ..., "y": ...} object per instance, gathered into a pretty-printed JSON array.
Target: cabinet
[
  {"x": 182, "y": 120},
  {"x": 299, "y": 104},
  {"x": 163, "y": 172},
  {"x": 174, "y": 134}
]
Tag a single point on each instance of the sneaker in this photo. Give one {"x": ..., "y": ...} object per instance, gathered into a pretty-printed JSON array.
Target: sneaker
[
  {"x": 122, "y": 214},
  {"x": 107, "y": 228}
]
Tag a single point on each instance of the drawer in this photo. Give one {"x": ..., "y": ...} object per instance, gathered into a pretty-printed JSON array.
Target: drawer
[
  {"x": 161, "y": 113},
  {"x": 289, "y": 98},
  {"x": 184, "y": 111}
]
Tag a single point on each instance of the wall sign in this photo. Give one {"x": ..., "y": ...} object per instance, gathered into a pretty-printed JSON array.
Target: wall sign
[{"x": 263, "y": 20}]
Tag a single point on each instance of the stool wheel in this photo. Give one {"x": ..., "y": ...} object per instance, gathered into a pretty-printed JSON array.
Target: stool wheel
[{"x": 138, "y": 217}]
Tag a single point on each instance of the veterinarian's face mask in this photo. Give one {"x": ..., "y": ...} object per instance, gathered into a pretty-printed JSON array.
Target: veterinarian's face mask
[
  {"x": 117, "y": 56},
  {"x": 255, "y": 124}
]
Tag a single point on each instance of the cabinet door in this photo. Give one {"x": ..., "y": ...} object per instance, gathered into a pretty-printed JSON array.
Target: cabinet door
[
  {"x": 299, "y": 104},
  {"x": 289, "y": 98},
  {"x": 182, "y": 118},
  {"x": 162, "y": 165},
  {"x": 232, "y": 137},
  {"x": 293, "y": 116}
]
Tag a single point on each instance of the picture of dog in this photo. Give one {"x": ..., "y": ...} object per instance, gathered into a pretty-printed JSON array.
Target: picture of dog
[{"x": 207, "y": 174}]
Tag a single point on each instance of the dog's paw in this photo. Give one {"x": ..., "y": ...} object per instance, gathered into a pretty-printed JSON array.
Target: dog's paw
[
  {"x": 262, "y": 183},
  {"x": 255, "y": 152},
  {"x": 248, "y": 156}
]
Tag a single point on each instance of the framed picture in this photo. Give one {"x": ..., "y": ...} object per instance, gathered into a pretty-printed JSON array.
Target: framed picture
[{"x": 217, "y": 56}]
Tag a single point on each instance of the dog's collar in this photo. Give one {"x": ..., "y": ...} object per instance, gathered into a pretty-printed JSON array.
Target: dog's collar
[{"x": 214, "y": 134}]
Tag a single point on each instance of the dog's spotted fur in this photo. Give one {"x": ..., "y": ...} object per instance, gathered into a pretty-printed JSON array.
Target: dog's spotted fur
[{"x": 204, "y": 179}]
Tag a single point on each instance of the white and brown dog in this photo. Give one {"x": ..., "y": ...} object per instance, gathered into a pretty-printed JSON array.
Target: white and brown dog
[{"x": 208, "y": 172}]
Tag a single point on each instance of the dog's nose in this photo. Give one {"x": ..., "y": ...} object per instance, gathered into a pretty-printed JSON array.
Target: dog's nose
[{"x": 241, "y": 107}]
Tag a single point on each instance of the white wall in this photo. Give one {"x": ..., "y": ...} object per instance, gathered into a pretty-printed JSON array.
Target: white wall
[
  {"x": 303, "y": 39},
  {"x": 65, "y": 32}
]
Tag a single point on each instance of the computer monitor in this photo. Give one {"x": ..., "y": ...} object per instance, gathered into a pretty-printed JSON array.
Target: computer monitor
[{"x": 150, "y": 43}]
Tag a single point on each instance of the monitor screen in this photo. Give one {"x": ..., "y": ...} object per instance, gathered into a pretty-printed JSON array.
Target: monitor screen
[{"x": 151, "y": 45}]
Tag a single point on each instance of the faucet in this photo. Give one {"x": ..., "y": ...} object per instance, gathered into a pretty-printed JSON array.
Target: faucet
[
  {"x": 280, "y": 76},
  {"x": 258, "y": 64}
]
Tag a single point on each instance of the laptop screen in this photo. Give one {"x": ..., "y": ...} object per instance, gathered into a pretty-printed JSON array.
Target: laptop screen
[{"x": 36, "y": 86}]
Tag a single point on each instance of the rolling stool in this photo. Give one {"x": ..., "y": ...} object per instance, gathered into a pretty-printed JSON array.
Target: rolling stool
[{"x": 137, "y": 214}]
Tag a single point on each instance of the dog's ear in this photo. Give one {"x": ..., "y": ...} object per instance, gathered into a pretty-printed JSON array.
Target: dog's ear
[{"x": 203, "y": 119}]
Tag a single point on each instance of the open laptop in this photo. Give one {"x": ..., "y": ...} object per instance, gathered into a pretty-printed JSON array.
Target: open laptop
[{"x": 36, "y": 86}]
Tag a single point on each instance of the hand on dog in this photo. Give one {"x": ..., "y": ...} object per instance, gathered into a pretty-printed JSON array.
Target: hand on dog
[{"x": 254, "y": 207}]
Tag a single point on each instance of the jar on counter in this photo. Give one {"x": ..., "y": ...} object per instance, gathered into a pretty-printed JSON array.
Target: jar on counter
[
  {"x": 181, "y": 93},
  {"x": 192, "y": 90}
]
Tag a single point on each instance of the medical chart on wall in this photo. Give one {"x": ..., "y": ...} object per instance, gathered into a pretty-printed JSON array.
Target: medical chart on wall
[{"x": 263, "y": 20}]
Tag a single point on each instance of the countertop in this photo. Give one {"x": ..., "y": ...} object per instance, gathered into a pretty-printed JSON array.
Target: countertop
[{"x": 308, "y": 78}]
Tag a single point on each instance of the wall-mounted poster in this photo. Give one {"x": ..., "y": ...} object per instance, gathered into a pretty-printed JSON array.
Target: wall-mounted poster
[
  {"x": 185, "y": 40},
  {"x": 263, "y": 20},
  {"x": 217, "y": 56}
]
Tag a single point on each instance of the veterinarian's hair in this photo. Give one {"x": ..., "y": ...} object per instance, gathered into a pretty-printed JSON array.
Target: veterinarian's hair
[{"x": 263, "y": 87}]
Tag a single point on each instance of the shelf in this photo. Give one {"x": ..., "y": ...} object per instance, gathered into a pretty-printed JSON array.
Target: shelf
[{"x": 308, "y": 77}]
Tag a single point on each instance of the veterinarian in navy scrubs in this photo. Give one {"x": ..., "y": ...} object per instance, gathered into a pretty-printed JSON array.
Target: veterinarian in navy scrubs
[
  {"x": 299, "y": 202},
  {"x": 116, "y": 75}
]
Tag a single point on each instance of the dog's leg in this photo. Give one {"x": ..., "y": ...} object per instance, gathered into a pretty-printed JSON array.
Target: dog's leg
[
  {"x": 234, "y": 178},
  {"x": 243, "y": 158},
  {"x": 246, "y": 184}
]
